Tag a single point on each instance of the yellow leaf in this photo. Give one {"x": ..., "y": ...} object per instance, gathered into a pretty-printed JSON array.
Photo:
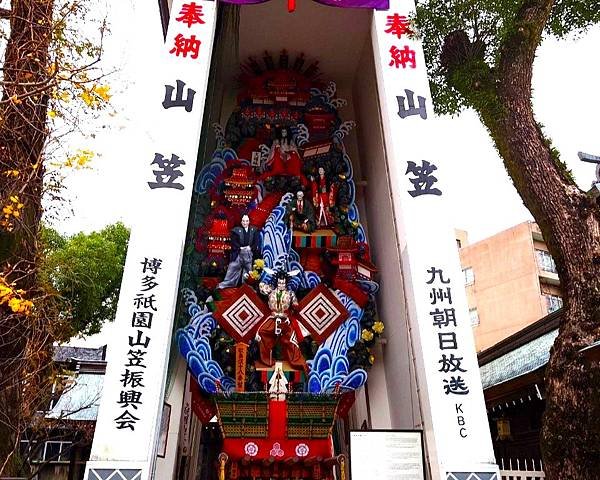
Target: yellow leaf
[
  {"x": 14, "y": 199},
  {"x": 14, "y": 304},
  {"x": 52, "y": 113},
  {"x": 102, "y": 92},
  {"x": 87, "y": 98},
  {"x": 80, "y": 159}
]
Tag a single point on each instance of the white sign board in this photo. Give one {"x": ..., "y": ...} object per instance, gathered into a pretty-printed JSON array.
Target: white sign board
[
  {"x": 127, "y": 428},
  {"x": 456, "y": 427},
  {"x": 386, "y": 455}
]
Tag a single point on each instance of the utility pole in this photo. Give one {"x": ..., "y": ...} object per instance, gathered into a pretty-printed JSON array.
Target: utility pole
[{"x": 586, "y": 157}]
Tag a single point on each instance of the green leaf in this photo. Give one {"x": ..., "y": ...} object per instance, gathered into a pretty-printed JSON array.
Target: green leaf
[{"x": 85, "y": 271}]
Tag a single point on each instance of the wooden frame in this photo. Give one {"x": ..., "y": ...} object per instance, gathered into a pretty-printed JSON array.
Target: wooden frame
[{"x": 163, "y": 435}]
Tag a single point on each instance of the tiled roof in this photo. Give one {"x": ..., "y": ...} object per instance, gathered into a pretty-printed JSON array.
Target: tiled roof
[
  {"x": 79, "y": 401},
  {"x": 65, "y": 352},
  {"x": 520, "y": 361}
]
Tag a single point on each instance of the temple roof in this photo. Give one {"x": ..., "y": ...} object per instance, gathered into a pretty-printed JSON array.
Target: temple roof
[
  {"x": 520, "y": 361},
  {"x": 65, "y": 353}
]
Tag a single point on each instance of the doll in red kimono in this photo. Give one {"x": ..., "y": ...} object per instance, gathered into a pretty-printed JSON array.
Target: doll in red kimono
[{"x": 323, "y": 198}]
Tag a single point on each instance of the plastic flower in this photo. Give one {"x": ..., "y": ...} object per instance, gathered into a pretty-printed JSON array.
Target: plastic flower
[
  {"x": 259, "y": 264},
  {"x": 254, "y": 275},
  {"x": 378, "y": 327},
  {"x": 367, "y": 335}
]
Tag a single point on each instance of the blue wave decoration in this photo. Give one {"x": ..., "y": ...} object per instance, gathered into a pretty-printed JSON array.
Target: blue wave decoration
[
  {"x": 209, "y": 173},
  {"x": 344, "y": 129},
  {"x": 230, "y": 154},
  {"x": 348, "y": 169},
  {"x": 194, "y": 346},
  {"x": 277, "y": 249},
  {"x": 302, "y": 134},
  {"x": 276, "y": 238},
  {"x": 369, "y": 286},
  {"x": 353, "y": 213},
  {"x": 329, "y": 369}
]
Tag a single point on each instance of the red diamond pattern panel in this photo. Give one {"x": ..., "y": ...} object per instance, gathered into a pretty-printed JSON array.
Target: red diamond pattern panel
[
  {"x": 321, "y": 312},
  {"x": 241, "y": 313}
]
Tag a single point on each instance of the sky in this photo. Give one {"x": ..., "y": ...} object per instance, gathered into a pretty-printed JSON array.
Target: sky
[{"x": 483, "y": 200}]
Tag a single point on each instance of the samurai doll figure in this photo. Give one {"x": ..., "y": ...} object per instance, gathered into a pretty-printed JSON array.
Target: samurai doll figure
[
  {"x": 300, "y": 214},
  {"x": 280, "y": 326},
  {"x": 323, "y": 199},
  {"x": 244, "y": 248}
]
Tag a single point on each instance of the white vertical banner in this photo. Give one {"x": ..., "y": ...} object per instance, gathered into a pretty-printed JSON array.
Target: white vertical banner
[
  {"x": 127, "y": 427},
  {"x": 456, "y": 427}
]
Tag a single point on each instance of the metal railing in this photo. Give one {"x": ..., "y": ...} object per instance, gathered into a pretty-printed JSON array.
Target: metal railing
[
  {"x": 521, "y": 475},
  {"x": 521, "y": 469}
]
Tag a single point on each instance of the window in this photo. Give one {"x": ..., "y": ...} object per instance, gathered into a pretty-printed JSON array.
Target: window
[
  {"x": 553, "y": 302},
  {"x": 57, "y": 451},
  {"x": 474, "y": 317},
  {"x": 469, "y": 276},
  {"x": 24, "y": 448},
  {"x": 545, "y": 261},
  {"x": 50, "y": 451}
]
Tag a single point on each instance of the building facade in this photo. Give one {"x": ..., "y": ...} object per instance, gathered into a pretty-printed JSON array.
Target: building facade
[
  {"x": 269, "y": 252},
  {"x": 511, "y": 282},
  {"x": 59, "y": 445},
  {"x": 512, "y": 373}
]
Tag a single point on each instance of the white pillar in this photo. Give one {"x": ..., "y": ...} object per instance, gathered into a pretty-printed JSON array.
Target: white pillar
[
  {"x": 457, "y": 435},
  {"x": 130, "y": 411}
]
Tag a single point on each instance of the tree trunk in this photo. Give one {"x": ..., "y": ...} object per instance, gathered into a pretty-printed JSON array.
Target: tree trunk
[
  {"x": 570, "y": 223},
  {"x": 23, "y": 134}
]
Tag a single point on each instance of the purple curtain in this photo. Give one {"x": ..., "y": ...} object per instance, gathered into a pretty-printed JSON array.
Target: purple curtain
[{"x": 376, "y": 4}]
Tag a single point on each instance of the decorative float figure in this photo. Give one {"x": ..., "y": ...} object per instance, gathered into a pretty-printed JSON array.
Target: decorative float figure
[{"x": 280, "y": 355}]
